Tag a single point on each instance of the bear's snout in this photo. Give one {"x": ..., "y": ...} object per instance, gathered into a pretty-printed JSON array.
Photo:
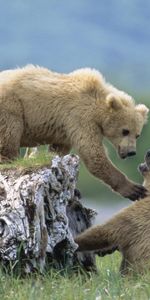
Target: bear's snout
[
  {"x": 131, "y": 153},
  {"x": 143, "y": 168},
  {"x": 125, "y": 152}
]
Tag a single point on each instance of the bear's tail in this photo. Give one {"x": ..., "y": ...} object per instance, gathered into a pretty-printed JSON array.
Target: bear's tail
[{"x": 98, "y": 237}]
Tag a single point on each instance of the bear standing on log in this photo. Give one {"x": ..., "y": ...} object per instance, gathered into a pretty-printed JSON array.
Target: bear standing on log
[{"x": 74, "y": 110}]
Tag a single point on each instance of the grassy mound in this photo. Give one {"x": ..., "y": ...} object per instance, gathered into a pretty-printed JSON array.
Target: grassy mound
[{"x": 42, "y": 159}]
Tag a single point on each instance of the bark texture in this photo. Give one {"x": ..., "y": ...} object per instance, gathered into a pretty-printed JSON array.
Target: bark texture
[{"x": 40, "y": 213}]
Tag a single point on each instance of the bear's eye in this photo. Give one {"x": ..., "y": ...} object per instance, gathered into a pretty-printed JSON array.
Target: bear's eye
[
  {"x": 125, "y": 132},
  {"x": 137, "y": 136}
]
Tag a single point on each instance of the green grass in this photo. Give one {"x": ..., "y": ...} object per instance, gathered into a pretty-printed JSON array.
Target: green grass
[
  {"x": 42, "y": 158},
  {"x": 108, "y": 284}
]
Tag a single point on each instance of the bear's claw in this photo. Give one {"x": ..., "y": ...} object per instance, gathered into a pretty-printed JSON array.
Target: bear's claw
[{"x": 138, "y": 193}]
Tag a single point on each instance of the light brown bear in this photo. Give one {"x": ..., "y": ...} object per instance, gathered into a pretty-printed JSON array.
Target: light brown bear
[
  {"x": 74, "y": 110},
  {"x": 128, "y": 231}
]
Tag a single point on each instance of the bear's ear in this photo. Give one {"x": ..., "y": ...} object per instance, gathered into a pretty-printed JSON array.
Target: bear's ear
[
  {"x": 113, "y": 102},
  {"x": 143, "y": 110}
]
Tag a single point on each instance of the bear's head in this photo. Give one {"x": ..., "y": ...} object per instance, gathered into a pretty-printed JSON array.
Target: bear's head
[
  {"x": 123, "y": 122},
  {"x": 144, "y": 169}
]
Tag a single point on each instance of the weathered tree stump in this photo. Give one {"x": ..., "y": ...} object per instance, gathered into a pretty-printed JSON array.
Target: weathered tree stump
[{"x": 40, "y": 213}]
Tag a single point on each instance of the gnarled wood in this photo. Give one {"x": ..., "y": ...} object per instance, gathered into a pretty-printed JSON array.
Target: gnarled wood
[{"x": 40, "y": 213}]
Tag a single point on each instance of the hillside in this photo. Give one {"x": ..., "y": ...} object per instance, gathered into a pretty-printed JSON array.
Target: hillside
[{"x": 112, "y": 36}]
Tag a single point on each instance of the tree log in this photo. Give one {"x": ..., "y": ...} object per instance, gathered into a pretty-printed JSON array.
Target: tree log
[{"x": 40, "y": 213}]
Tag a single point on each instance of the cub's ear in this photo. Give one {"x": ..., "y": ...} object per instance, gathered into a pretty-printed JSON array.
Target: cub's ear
[
  {"x": 143, "y": 110},
  {"x": 113, "y": 102},
  {"x": 147, "y": 159}
]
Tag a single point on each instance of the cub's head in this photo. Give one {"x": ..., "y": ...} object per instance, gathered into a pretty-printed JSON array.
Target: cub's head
[
  {"x": 123, "y": 122},
  {"x": 144, "y": 169}
]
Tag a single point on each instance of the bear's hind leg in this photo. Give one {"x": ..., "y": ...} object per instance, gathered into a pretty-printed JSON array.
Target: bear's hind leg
[
  {"x": 11, "y": 129},
  {"x": 60, "y": 149},
  {"x": 125, "y": 266},
  {"x": 129, "y": 266}
]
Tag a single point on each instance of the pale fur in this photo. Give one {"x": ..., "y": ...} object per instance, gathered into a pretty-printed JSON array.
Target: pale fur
[{"x": 38, "y": 106}]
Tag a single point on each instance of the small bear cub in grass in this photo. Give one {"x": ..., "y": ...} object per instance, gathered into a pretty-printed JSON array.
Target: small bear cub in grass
[{"x": 128, "y": 231}]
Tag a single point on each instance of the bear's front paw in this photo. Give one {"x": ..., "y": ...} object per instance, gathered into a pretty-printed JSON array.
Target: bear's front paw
[{"x": 134, "y": 192}]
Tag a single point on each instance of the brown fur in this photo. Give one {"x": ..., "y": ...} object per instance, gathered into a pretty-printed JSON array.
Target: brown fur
[
  {"x": 76, "y": 110},
  {"x": 128, "y": 231}
]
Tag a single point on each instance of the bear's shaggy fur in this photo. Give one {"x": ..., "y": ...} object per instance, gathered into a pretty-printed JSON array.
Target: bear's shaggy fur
[
  {"x": 128, "y": 231},
  {"x": 76, "y": 110}
]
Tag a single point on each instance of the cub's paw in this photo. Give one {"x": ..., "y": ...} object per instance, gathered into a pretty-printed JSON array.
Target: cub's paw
[{"x": 135, "y": 192}]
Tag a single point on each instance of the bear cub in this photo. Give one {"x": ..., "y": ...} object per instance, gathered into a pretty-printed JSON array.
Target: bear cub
[
  {"x": 75, "y": 110},
  {"x": 128, "y": 231}
]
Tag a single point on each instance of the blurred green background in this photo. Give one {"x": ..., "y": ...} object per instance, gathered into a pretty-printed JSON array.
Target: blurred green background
[{"x": 112, "y": 36}]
